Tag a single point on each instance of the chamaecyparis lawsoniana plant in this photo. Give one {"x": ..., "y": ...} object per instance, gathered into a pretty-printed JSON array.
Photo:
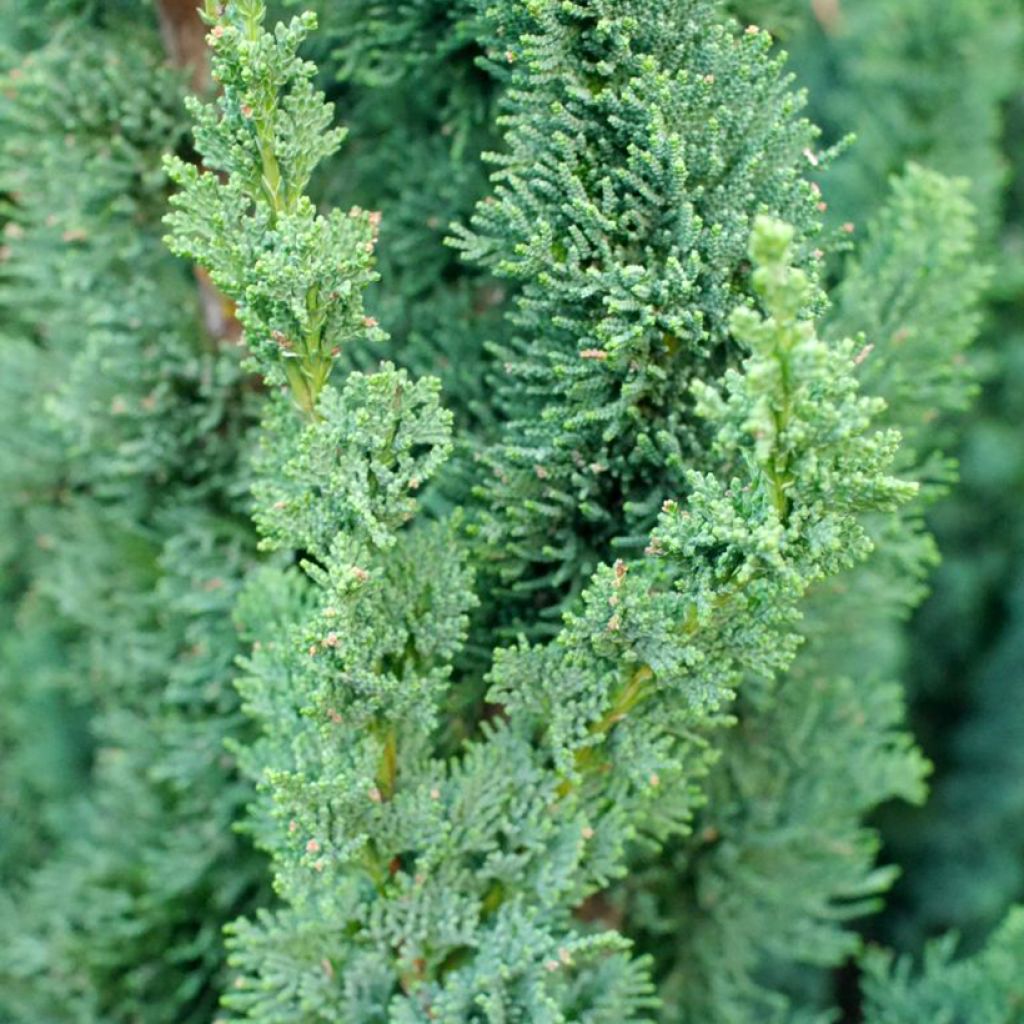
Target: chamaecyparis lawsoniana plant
[
  {"x": 640, "y": 142},
  {"x": 567, "y": 704}
]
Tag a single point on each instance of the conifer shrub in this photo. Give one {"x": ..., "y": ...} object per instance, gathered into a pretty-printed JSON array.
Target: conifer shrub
[{"x": 456, "y": 569}]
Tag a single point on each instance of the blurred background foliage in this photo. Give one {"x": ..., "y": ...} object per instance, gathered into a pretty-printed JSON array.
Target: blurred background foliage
[{"x": 941, "y": 84}]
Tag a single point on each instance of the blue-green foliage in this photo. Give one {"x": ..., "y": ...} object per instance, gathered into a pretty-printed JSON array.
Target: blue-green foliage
[
  {"x": 295, "y": 275},
  {"x": 556, "y": 687},
  {"x": 941, "y": 86},
  {"x": 914, "y": 82},
  {"x": 756, "y": 885},
  {"x": 984, "y": 989},
  {"x": 420, "y": 111},
  {"x": 599, "y": 738},
  {"x": 912, "y": 290},
  {"x": 125, "y": 548},
  {"x": 639, "y": 144}
]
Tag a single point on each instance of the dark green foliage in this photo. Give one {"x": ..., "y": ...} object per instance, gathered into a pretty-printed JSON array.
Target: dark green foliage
[
  {"x": 967, "y": 666},
  {"x": 914, "y": 81},
  {"x": 912, "y": 292},
  {"x": 932, "y": 85},
  {"x": 757, "y": 885},
  {"x": 603, "y": 719},
  {"x": 641, "y": 143},
  {"x": 123, "y": 917},
  {"x": 976, "y": 818},
  {"x": 984, "y": 989}
]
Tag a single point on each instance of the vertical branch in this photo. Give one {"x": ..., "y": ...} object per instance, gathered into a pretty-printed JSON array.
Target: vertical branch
[
  {"x": 829, "y": 15},
  {"x": 184, "y": 36}
]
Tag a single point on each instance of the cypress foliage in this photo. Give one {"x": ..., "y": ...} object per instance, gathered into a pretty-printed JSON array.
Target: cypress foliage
[
  {"x": 762, "y": 884},
  {"x": 640, "y": 144},
  {"x": 425, "y": 880},
  {"x": 933, "y": 86},
  {"x": 419, "y": 108},
  {"x": 914, "y": 82},
  {"x": 985, "y": 988},
  {"x": 129, "y": 549},
  {"x": 552, "y": 663}
]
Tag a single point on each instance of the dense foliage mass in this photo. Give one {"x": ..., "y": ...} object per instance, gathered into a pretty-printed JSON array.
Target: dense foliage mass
[{"x": 463, "y": 551}]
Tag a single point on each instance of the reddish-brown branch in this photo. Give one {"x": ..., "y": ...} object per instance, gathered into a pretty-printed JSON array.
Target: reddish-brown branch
[
  {"x": 829, "y": 15},
  {"x": 184, "y": 37},
  {"x": 185, "y": 40}
]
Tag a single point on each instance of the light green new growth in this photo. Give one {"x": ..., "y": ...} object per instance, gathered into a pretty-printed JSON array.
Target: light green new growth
[{"x": 296, "y": 276}]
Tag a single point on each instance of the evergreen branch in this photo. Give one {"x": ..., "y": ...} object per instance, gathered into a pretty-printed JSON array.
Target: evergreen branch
[
  {"x": 655, "y": 804},
  {"x": 985, "y": 988},
  {"x": 913, "y": 289},
  {"x": 640, "y": 142},
  {"x": 296, "y": 276},
  {"x": 716, "y": 598},
  {"x": 781, "y": 894}
]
